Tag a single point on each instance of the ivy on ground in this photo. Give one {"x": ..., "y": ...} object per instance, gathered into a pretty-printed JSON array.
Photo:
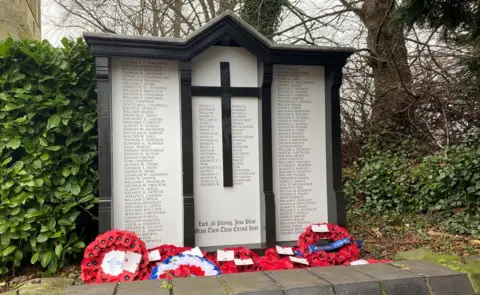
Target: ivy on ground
[
  {"x": 443, "y": 184},
  {"x": 48, "y": 150}
]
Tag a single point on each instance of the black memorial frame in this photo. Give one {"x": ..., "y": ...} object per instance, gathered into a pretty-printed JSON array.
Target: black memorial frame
[{"x": 226, "y": 29}]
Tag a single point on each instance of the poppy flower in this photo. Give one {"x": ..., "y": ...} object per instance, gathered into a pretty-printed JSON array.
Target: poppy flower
[
  {"x": 272, "y": 263},
  {"x": 124, "y": 241},
  {"x": 241, "y": 252},
  {"x": 87, "y": 275},
  {"x": 271, "y": 252},
  {"x": 283, "y": 263},
  {"x": 104, "y": 278},
  {"x": 95, "y": 280},
  {"x": 109, "y": 238},
  {"x": 340, "y": 259},
  {"x": 303, "y": 250},
  {"x": 331, "y": 258},
  {"x": 305, "y": 238},
  {"x": 228, "y": 267},
  {"x": 317, "y": 256},
  {"x": 169, "y": 250},
  {"x": 101, "y": 241},
  {"x": 195, "y": 271},
  {"x": 144, "y": 261},
  {"x": 135, "y": 246},
  {"x": 119, "y": 237},
  {"x": 92, "y": 250},
  {"x": 125, "y": 277},
  {"x": 87, "y": 264}
]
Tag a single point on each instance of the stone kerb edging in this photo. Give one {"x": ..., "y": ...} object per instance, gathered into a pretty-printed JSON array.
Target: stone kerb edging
[{"x": 399, "y": 278}]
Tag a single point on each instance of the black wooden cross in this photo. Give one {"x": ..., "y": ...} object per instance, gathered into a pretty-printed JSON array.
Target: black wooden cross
[{"x": 226, "y": 93}]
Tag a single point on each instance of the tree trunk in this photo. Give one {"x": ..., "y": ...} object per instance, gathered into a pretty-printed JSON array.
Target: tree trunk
[
  {"x": 177, "y": 23},
  {"x": 156, "y": 25},
  {"x": 389, "y": 63}
]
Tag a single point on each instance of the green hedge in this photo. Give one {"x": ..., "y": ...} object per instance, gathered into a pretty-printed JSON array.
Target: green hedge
[
  {"x": 444, "y": 184},
  {"x": 48, "y": 150}
]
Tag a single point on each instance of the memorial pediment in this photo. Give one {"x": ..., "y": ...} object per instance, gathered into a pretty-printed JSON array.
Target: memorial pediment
[{"x": 225, "y": 30}]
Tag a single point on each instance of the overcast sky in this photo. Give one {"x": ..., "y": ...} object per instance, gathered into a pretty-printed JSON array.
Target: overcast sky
[
  {"x": 51, "y": 14},
  {"x": 346, "y": 33}
]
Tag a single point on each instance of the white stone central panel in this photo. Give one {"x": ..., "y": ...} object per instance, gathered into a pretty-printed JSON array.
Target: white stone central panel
[{"x": 226, "y": 215}]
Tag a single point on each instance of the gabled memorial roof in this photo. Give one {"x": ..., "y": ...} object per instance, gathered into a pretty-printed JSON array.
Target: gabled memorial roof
[{"x": 226, "y": 26}]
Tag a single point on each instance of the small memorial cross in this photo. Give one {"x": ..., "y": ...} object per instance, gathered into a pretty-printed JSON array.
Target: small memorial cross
[{"x": 225, "y": 92}]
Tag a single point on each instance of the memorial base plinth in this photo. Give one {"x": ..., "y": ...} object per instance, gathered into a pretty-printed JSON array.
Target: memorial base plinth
[{"x": 401, "y": 278}]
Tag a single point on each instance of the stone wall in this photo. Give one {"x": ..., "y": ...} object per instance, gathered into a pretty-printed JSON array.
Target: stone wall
[{"x": 20, "y": 18}]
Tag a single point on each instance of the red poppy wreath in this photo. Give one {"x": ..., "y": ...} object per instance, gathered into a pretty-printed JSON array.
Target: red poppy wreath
[
  {"x": 341, "y": 246},
  {"x": 115, "y": 256}
]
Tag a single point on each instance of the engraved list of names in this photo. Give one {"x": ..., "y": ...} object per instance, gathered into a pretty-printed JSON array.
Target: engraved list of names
[
  {"x": 147, "y": 150},
  {"x": 226, "y": 215},
  {"x": 299, "y": 151}
]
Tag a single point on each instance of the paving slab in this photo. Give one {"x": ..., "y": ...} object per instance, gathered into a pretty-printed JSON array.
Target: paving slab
[
  {"x": 300, "y": 282},
  {"x": 198, "y": 286},
  {"x": 149, "y": 287},
  {"x": 43, "y": 286},
  {"x": 441, "y": 280},
  {"x": 348, "y": 281},
  {"x": 252, "y": 283},
  {"x": 395, "y": 281},
  {"x": 91, "y": 289},
  {"x": 470, "y": 259}
]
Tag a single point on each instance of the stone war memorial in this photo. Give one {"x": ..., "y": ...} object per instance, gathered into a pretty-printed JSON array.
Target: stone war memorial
[
  {"x": 216, "y": 148},
  {"x": 219, "y": 139}
]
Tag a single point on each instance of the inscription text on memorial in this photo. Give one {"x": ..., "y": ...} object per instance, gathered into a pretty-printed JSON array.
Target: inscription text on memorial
[
  {"x": 147, "y": 176},
  {"x": 299, "y": 149}
]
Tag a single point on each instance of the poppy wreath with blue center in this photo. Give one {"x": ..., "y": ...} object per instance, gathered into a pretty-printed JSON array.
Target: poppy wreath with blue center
[{"x": 345, "y": 253}]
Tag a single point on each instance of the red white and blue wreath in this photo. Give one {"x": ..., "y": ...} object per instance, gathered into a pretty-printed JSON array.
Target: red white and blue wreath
[{"x": 184, "y": 266}]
